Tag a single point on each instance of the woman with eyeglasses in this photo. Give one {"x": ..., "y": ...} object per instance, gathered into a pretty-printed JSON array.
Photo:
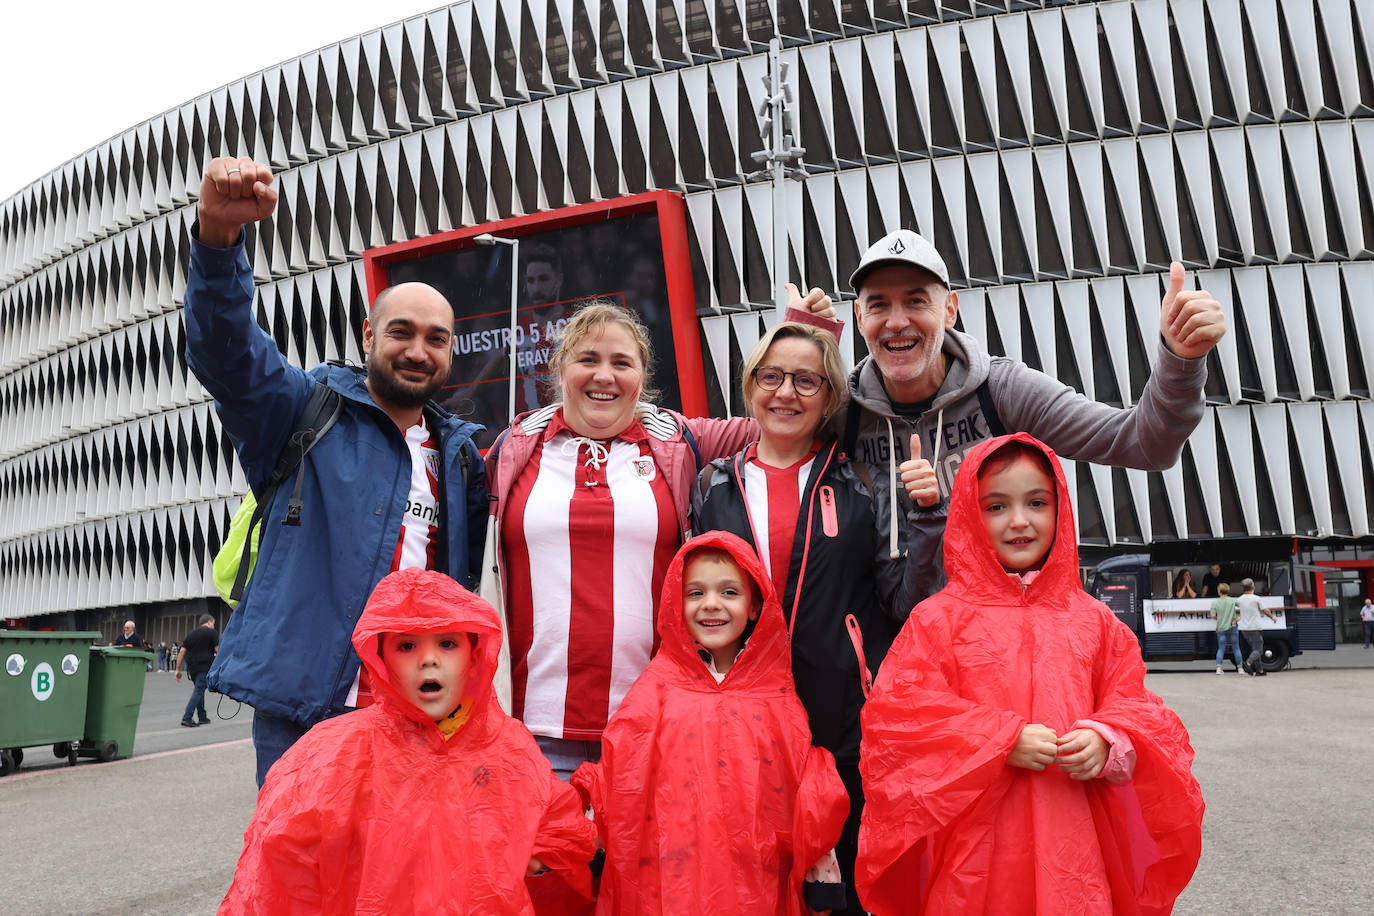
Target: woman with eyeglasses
[
  {"x": 591, "y": 497},
  {"x": 810, "y": 514}
]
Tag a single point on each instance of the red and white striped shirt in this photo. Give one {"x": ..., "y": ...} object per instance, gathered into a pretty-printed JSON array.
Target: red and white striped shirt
[
  {"x": 588, "y": 532},
  {"x": 774, "y": 498},
  {"x": 419, "y": 526}
]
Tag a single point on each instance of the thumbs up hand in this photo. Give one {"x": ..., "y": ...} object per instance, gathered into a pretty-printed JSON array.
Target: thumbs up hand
[
  {"x": 918, "y": 476},
  {"x": 816, "y": 301},
  {"x": 1191, "y": 320}
]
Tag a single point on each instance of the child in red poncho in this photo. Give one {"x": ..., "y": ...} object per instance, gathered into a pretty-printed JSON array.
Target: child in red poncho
[
  {"x": 431, "y": 800},
  {"x": 709, "y": 796},
  {"x": 1013, "y": 760}
]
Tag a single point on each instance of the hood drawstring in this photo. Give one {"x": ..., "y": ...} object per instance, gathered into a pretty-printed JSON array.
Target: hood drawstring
[
  {"x": 939, "y": 424},
  {"x": 597, "y": 452},
  {"x": 893, "y": 552}
]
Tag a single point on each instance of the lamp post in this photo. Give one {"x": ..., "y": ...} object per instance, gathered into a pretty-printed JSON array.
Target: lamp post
[
  {"x": 486, "y": 238},
  {"x": 781, "y": 159}
]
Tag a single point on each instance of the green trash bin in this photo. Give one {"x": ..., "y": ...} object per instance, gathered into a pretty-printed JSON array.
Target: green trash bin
[
  {"x": 113, "y": 701},
  {"x": 43, "y": 692}
]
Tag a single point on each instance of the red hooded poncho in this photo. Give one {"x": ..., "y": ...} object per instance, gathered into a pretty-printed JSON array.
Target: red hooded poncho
[
  {"x": 374, "y": 812},
  {"x": 951, "y": 828},
  {"x": 709, "y": 797}
]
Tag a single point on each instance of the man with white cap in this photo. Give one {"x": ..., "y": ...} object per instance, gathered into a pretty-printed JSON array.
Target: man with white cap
[{"x": 927, "y": 393}]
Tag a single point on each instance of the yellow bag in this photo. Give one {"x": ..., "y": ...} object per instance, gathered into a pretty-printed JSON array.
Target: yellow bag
[{"x": 244, "y": 527}]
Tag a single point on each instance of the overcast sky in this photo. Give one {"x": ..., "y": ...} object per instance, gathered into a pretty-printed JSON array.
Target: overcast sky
[{"x": 76, "y": 72}]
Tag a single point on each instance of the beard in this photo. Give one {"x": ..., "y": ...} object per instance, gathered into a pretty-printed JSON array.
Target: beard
[
  {"x": 909, "y": 365},
  {"x": 388, "y": 387}
]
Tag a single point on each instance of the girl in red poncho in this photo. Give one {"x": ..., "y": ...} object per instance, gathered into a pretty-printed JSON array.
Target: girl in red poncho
[
  {"x": 1013, "y": 760},
  {"x": 709, "y": 796},
  {"x": 432, "y": 800}
]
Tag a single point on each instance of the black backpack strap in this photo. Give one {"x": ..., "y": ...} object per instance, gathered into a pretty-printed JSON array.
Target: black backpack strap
[
  {"x": 865, "y": 476},
  {"x": 851, "y": 427},
  {"x": 995, "y": 427},
  {"x": 465, "y": 453},
  {"x": 692, "y": 441},
  {"x": 321, "y": 412}
]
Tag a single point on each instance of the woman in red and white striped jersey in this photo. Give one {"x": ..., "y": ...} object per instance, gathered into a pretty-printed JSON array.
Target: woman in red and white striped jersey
[
  {"x": 591, "y": 496},
  {"x": 809, "y": 513}
]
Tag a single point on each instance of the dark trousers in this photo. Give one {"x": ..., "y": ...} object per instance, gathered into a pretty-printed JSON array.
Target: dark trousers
[
  {"x": 272, "y": 737},
  {"x": 847, "y": 849},
  {"x": 197, "y": 702}
]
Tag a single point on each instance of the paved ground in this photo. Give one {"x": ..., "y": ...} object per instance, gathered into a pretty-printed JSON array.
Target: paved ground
[
  {"x": 1283, "y": 761},
  {"x": 1284, "y": 767},
  {"x": 157, "y": 833}
]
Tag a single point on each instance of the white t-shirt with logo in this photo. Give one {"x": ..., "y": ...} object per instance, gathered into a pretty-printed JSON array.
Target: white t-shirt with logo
[{"x": 419, "y": 525}]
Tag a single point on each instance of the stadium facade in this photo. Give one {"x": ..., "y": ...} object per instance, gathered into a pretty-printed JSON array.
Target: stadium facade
[{"x": 1059, "y": 154}]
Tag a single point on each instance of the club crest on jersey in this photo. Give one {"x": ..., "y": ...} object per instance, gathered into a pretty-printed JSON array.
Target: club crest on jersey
[
  {"x": 645, "y": 469},
  {"x": 431, "y": 462}
]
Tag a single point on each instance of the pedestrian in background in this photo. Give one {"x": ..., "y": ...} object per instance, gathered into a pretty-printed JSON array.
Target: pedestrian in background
[
  {"x": 1224, "y": 610},
  {"x": 130, "y": 637},
  {"x": 197, "y": 654},
  {"x": 1251, "y": 626},
  {"x": 1367, "y": 619}
]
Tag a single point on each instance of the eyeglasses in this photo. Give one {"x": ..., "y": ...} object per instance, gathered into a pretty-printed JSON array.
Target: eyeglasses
[{"x": 806, "y": 384}]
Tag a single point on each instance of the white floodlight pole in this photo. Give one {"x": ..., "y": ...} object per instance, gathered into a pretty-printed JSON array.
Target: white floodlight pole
[
  {"x": 777, "y": 156},
  {"x": 486, "y": 238},
  {"x": 781, "y": 261}
]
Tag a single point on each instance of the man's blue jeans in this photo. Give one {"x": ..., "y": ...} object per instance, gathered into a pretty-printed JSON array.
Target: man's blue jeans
[
  {"x": 1231, "y": 636},
  {"x": 272, "y": 737},
  {"x": 197, "y": 702}
]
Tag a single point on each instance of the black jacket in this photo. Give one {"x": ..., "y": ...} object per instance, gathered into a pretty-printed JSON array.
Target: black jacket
[{"x": 850, "y": 573}]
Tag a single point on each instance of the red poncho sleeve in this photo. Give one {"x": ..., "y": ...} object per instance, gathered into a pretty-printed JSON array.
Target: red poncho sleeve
[
  {"x": 564, "y": 841},
  {"x": 279, "y": 868},
  {"x": 1158, "y": 814},
  {"x": 929, "y": 757},
  {"x": 818, "y": 818}
]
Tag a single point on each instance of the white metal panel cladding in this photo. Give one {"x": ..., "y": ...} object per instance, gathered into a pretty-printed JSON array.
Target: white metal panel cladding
[{"x": 1039, "y": 145}]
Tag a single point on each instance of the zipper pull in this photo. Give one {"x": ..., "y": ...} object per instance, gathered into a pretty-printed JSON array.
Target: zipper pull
[{"x": 830, "y": 522}]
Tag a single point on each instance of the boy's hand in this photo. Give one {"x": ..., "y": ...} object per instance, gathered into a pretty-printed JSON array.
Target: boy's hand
[
  {"x": 536, "y": 868},
  {"x": 1035, "y": 749},
  {"x": 1083, "y": 753},
  {"x": 919, "y": 477}
]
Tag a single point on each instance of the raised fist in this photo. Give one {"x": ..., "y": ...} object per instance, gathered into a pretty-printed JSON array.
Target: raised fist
[{"x": 233, "y": 192}]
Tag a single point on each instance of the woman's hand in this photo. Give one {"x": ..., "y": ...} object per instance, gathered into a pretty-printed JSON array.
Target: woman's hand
[{"x": 816, "y": 301}]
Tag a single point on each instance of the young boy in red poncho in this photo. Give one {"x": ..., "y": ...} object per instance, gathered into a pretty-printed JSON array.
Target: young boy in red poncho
[
  {"x": 709, "y": 796},
  {"x": 431, "y": 800},
  {"x": 1013, "y": 760}
]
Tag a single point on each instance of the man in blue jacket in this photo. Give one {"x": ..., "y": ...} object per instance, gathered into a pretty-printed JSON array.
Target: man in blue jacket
[{"x": 396, "y": 482}]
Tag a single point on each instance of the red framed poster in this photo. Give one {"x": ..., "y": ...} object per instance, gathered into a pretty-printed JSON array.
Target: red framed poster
[{"x": 632, "y": 251}]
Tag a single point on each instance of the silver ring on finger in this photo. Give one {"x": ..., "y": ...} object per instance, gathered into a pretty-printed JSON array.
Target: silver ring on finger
[{"x": 232, "y": 171}]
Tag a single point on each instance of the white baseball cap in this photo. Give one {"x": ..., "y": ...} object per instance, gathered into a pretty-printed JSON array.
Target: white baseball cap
[{"x": 902, "y": 247}]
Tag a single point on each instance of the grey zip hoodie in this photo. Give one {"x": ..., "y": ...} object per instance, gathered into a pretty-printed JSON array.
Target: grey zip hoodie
[{"x": 1148, "y": 435}]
